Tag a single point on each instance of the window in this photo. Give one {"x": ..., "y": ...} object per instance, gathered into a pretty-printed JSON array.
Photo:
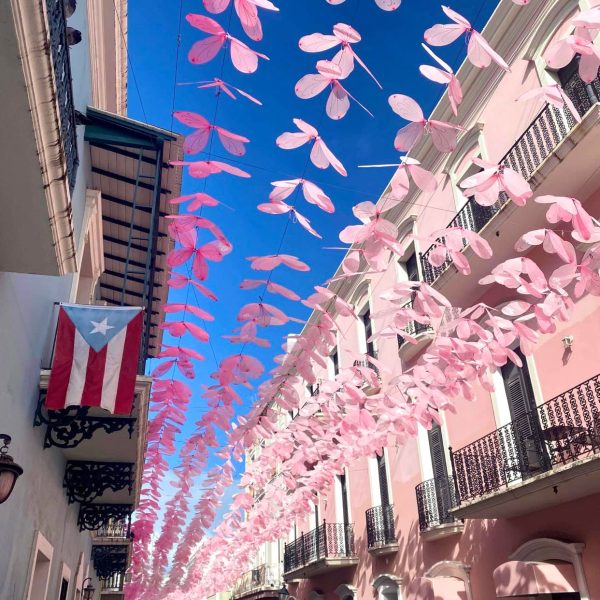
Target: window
[
  {"x": 335, "y": 362},
  {"x": 388, "y": 587},
  {"x": 531, "y": 454},
  {"x": 344, "y": 498},
  {"x": 368, "y": 330},
  {"x": 64, "y": 589},
  {"x": 583, "y": 95},
  {"x": 38, "y": 583},
  {"x": 383, "y": 480},
  {"x": 412, "y": 267}
]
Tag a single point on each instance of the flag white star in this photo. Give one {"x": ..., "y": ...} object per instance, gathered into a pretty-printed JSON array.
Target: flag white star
[{"x": 101, "y": 326}]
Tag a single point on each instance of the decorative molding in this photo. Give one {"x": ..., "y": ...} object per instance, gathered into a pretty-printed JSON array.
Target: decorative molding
[
  {"x": 87, "y": 480},
  {"x": 94, "y": 516},
  {"x": 346, "y": 591},
  {"x": 549, "y": 549},
  {"x": 69, "y": 427},
  {"x": 455, "y": 569},
  {"x": 108, "y": 55},
  {"x": 34, "y": 40}
]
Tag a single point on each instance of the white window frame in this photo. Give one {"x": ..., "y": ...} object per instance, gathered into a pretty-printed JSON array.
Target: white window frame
[
  {"x": 44, "y": 547},
  {"x": 386, "y": 583}
]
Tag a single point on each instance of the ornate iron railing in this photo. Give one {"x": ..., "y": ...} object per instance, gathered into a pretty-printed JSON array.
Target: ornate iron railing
[
  {"x": 380, "y": 526},
  {"x": 560, "y": 431},
  {"x": 548, "y": 129},
  {"x": 114, "y": 583},
  {"x": 435, "y": 497},
  {"x": 367, "y": 364},
  {"x": 413, "y": 328},
  {"x": 329, "y": 540},
  {"x": 116, "y": 529},
  {"x": 260, "y": 578},
  {"x": 64, "y": 87}
]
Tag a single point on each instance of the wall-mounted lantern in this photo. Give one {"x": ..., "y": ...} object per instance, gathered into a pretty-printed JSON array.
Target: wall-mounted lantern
[{"x": 10, "y": 471}]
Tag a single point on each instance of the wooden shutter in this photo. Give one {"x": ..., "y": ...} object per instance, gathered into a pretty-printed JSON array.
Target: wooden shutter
[
  {"x": 517, "y": 384},
  {"x": 368, "y": 328},
  {"x": 345, "y": 510},
  {"x": 412, "y": 268},
  {"x": 438, "y": 457},
  {"x": 335, "y": 362},
  {"x": 383, "y": 481}
]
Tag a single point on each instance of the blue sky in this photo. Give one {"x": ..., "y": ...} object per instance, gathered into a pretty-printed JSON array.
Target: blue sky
[{"x": 390, "y": 47}]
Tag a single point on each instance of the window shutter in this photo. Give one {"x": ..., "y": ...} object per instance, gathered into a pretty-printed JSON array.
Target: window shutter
[
  {"x": 368, "y": 328},
  {"x": 517, "y": 384},
  {"x": 412, "y": 268},
  {"x": 436, "y": 448},
  {"x": 383, "y": 482},
  {"x": 345, "y": 510}
]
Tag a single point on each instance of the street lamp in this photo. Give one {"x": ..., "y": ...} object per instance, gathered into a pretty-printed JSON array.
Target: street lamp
[
  {"x": 9, "y": 469},
  {"x": 88, "y": 590},
  {"x": 283, "y": 593}
]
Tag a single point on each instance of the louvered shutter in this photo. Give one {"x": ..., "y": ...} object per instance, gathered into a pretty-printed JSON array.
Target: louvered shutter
[
  {"x": 412, "y": 268},
  {"x": 517, "y": 384},
  {"x": 383, "y": 482},
  {"x": 368, "y": 328},
  {"x": 527, "y": 447},
  {"x": 440, "y": 472}
]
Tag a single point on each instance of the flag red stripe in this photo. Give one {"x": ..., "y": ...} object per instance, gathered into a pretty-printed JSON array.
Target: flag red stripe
[
  {"x": 129, "y": 363},
  {"x": 94, "y": 378},
  {"x": 62, "y": 362}
]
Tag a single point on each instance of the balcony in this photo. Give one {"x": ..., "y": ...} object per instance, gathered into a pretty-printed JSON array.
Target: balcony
[
  {"x": 535, "y": 155},
  {"x": 421, "y": 332},
  {"x": 435, "y": 498},
  {"x": 541, "y": 459},
  {"x": 39, "y": 141},
  {"x": 113, "y": 584},
  {"x": 381, "y": 531},
  {"x": 116, "y": 531},
  {"x": 257, "y": 583},
  {"x": 367, "y": 386},
  {"x": 326, "y": 548}
]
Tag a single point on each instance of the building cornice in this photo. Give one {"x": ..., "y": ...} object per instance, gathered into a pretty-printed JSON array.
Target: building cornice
[{"x": 33, "y": 36}]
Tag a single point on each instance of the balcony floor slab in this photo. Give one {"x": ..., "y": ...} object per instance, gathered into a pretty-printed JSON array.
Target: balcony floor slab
[
  {"x": 384, "y": 549},
  {"x": 442, "y": 531},
  {"x": 575, "y": 480},
  {"x": 323, "y": 565}
]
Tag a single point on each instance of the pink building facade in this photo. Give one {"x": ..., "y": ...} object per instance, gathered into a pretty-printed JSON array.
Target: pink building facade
[{"x": 501, "y": 499}]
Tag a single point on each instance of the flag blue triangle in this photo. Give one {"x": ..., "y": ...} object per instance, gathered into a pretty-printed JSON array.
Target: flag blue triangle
[{"x": 98, "y": 325}]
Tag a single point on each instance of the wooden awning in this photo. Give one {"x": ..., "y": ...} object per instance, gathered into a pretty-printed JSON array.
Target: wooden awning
[{"x": 130, "y": 167}]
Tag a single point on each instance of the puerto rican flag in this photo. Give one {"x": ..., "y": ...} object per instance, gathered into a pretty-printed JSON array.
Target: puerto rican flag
[{"x": 95, "y": 358}]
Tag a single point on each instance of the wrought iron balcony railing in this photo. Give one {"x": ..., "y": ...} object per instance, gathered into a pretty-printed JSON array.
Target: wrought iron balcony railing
[
  {"x": 413, "y": 328},
  {"x": 560, "y": 431},
  {"x": 113, "y": 584},
  {"x": 329, "y": 540},
  {"x": 118, "y": 530},
  {"x": 548, "y": 129},
  {"x": 380, "y": 526},
  {"x": 260, "y": 578},
  {"x": 435, "y": 497},
  {"x": 61, "y": 61},
  {"x": 366, "y": 363}
]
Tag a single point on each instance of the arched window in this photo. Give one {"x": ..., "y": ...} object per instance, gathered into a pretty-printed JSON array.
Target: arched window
[
  {"x": 388, "y": 587},
  {"x": 346, "y": 592}
]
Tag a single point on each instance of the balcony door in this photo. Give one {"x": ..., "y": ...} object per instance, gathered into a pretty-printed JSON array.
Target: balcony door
[
  {"x": 583, "y": 95},
  {"x": 525, "y": 449},
  {"x": 441, "y": 480}
]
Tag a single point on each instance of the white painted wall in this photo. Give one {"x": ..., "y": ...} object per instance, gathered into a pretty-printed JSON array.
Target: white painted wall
[{"x": 38, "y": 502}]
